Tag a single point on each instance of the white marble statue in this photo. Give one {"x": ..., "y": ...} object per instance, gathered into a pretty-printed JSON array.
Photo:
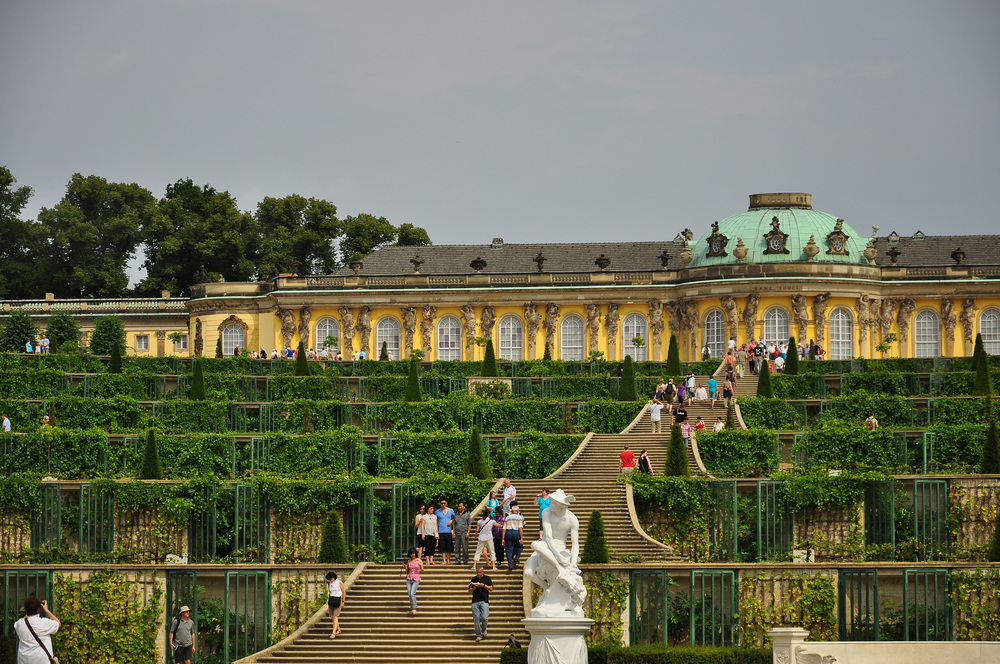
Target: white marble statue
[{"x": 552, "y": 566}]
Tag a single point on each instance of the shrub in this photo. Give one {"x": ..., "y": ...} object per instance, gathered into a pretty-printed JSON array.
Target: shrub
[
  {"x": 677, "y": 456},
  {"x": 301, "y": 362},
  {"x": 792, "y": 358},
  {"x": 475, "y": 462},
  {"x": 990, "y": 464},
  {"x": 547, "y": 353},
  {"x": 413, "y": 383},
  {"x": 983, "y": 385},
  {"x": 383, "y": 354},
  {"x": 197, "y": 382},
  {"x": 307, "y": 423},
  {"x": 109, "y": 331},
  {"x": 759, "y": 413},
  {"x": 490, "y": 369},
  {"x": 115, "y": 366},
  {"x": 333, "y": 547},
  {"x": 218, "y": 347},
  {"x": 19, "y": 329},
  {"x": 739, "y": 452},
  {"x": 764, "y": 381},
  {"x": 979, "y": 352},
  {"x": 595, "y": 549},
  {"x": 673, "y": 367},
  {"x": 62, "y": 329},
  {"x": 626, "y": 390},
  {"x": 151, "y": 468}
]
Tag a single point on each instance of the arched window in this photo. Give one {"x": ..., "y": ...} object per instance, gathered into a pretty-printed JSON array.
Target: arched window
[
  {"x": 926, "y": 334},
  {"x": 387, "y": 331},
  {"x": 776, "y": 325},
  {"x": 326, "y": 328},
  {"x": 841, "y": 335},
  {"x": 449, "y": 341},
  {"x": 573, "y": 339},
  {"x": 511, "y": 339},
  {"x": 715, "y": 333},
  {"x": 634, "y": 326},
  {"x": 232, "y": 337},
  {"x": 989, "y": 327}
]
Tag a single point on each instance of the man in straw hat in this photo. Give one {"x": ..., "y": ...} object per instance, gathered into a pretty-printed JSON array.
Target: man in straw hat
[
  {"x": 182, "y": 634},
  {"x": 552, "y": 566}
]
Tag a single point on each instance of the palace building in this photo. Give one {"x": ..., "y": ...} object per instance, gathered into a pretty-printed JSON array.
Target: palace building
[{"x": 776, "y": 270}]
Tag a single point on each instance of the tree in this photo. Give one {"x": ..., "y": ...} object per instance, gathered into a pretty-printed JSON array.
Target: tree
[
  {"x": 673, "y": 367},
  {"x": 218, "y": 346},
  {"x": 364, "y": 234},
  {"x": 18, "y": 330},
  {"x": 307, "y": 422},
  {"x": 62, "y": 329},
  {"x": 22, "y": 240},
  {"x": 413, "y": 383},
  {"x": 197, "y": 227},
  {"x": 109, "y": 331},
  {"x": 989, "y": 464},
  {"x": 383, "y": 354},
  {"x": 151, "y": 468},
  {"x": 301, "y": 362},
  {"x": 92, "y": 234},
  {"x": 626, "y": 388},
  {"x": 475, "y": 461},
  {"x": 595, "y": 548},
  {"x": 490, "y": 369},
  {"x": 792, "y": 360},
  {"x": 764, "y": 381},
  {"x": 984, "y": 385},
  {"x": 993, "y": 554},
  {"x": 547, "y": 353},
  {"x": 297, "y": 235},
  {"x": 115, "y": 366},
  {"x": 412, "y": 236},
  {"x": 677, "y": 457},
  {"x": 333, "y": 547},
  {"x": 197, "y": 382},
  {"x": 979, "y": 352}
]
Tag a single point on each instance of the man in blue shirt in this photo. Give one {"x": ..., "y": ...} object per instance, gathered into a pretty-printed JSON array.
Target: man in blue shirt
[
  {"x": 713, "y": 390},
  {"x": 445, "y": 518}
]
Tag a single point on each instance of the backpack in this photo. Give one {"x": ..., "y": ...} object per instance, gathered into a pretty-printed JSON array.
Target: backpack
[{"x": 670, "y": 390}]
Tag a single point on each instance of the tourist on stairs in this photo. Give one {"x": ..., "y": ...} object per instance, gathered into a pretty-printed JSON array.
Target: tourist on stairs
[{"x": 414, "y": 566}]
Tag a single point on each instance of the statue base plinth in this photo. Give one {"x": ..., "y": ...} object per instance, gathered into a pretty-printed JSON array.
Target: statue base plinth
[{"x": 557, "y": 640}]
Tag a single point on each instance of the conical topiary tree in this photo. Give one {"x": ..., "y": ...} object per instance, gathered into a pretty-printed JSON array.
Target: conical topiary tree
[
  {"x": 307, "y": 422},
  {"x": 993, "y": 553},
  {"x": 978, "y": 352},
  {"x": 792, "y": 358},
  {"x": 413, "y": 392},
  {"x": 764, "y": 380},
  {"x": 989, "y": 464},
  {"x": 151, "y": 469},
  {"x": 218, "y": 347},
  {"x": 197, "y": 382},
  {"x": 595, "y": 549},
  {"x": 490, "y": 369},
  {"x": 626, "y": 388},
  {"x": 673, "y": 367},
  {"x": 983, "y": 386},
  {"x": 301, "y": 361},
  {"x": 475, "y": 460},
  {"x": 677, "y": 458},
  {"x": 383, "y": 354},
  {"x": 333, "y": 547},
  {"x": 547, "y": 353},
  {"x": 115, "y": 366}
]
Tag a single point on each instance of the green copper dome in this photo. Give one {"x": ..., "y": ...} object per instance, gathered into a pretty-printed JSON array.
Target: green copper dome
[{"x": 777, "y": 228}]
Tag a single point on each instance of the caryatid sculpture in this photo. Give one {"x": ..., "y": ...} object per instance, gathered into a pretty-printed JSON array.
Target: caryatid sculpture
[
  {"x": 409, "y": 328},
  {"x": 968, "y": 317},
  {"x": 800, "y": 314},
  {"x": 819, "y": 316},
  {"x": 305, "y": 316},
  {"x": 656, "y": 325},
  {"x": 906, "y": 307},
  {"x": 732, "y": 315},
  {"x": 487, "y": 320},
  {"x": 551, "y": 320},
  {"x": 347, "y": 331},
  {"x": 750, "y": 315},
  {"x": 593, "y": 312},
  {"x": 948, "y": 318},
  {"x": 364, "y": 326},
  {"x": 428, "y": 314},
  {"x": 611, "y": 320},
  {"x": 287, "y": 325},
  {"x": 533, "y": 320}
]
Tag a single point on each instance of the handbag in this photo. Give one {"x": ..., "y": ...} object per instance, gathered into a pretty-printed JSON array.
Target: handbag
[{"x": 52, "y": 660}]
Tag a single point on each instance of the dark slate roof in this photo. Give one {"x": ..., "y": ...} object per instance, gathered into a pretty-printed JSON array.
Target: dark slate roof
[
  {"x": 936, "y": 250},
  {"x": 517, "y": 258}
]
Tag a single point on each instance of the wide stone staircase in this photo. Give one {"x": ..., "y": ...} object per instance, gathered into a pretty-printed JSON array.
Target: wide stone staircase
[{"x": 377, "y": 627}]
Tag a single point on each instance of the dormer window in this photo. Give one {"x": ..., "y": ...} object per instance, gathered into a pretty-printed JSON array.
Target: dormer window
[
  {"x": 837, "y": 239},
  {"x": 776, "y": 240},
  {"x": 717, "y": 242}
]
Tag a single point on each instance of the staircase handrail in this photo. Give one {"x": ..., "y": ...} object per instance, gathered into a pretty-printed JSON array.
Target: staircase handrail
[
  {"x": 697, "y": 455},
  {"x": 306, "y": 626},
  {"x": 477, "y": 510},
  {"x": 572, "y": 457},
  {"x": 637, "y": 418},
  {"x": 739, "y": 414},
  {"x": 634, "y": 518}
]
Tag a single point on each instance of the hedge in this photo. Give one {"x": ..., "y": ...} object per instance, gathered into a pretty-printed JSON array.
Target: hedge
[
  {"x": 761, "y": 413},
  {"x": 659, "y": 654},
  {"x": 739, "y": 452}
]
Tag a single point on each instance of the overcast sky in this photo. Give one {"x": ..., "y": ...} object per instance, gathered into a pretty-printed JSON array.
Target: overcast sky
[{"x": 534, "y": 121}]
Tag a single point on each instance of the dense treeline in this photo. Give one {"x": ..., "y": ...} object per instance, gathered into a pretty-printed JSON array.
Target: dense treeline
[{"x": 81, "y": 246}]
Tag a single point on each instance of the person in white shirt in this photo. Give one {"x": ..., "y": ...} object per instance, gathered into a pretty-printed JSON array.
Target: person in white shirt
[
  {"x": 654, "y": 415},
  {"x": 779, "y": 363},
  {"x": 509, "y": 495},
  {"x": 35, "y": 637},
  {"x": 6, "y": 424},
  {"x": 719, "y": 425}
]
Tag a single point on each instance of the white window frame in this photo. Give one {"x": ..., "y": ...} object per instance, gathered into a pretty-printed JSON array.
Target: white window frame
[
  {"x": 573, "y": 339},
  {"x": 777, "y": 319},
  {"x": 989, "y": 327},
  {"x": 449, "y": 339},
  {"x": 388, "y": 330},
  {"x": 841, "y": 335},
  {"x": 182, "y": 344},
  {"x": 510, "y": 339},
  {"x": 634, "y": 325},
  {"x": 331, "y": 327},
  {"x": 926, "y": 334},
  {"x": 715, "y": 333},
  {"x": 142, "y": 343},
  {"x": 233, "y": 336}
]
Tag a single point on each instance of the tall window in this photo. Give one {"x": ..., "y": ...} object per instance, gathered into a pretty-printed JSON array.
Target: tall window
[
  {"x": 633, "y": 326},
  {"x": 841, "y": 335},
  {"x": 926, "y": 334},
  {"x": 989, "y": 327},
  {"x": 232, "y": 337},
  {"x": 142, "y": 342},
  {"x": 776, "y": 325},
  {"x": 715, "y": 333},
  {"x": 449, "y": 341},
  {"x": 387, "y": 331},
  {"x": 573, "y": 339},
  {"x": 326, "y": 328},
  {"x": 511, "y": 339}
]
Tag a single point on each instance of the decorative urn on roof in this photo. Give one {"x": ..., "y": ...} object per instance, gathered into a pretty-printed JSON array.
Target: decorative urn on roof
[
  {"x": 686, "y": 254},
  {"x": 602, "y": 262},
  {"x": 810, "y": 250},
  {"x": 356, "y": 266},
  {"x": 741, "y": 250},
  {"x": 478, "y": 264}
]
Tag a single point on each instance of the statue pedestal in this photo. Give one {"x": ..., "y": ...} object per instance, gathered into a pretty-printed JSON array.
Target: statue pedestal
[{"x": 557, "y": 640}]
